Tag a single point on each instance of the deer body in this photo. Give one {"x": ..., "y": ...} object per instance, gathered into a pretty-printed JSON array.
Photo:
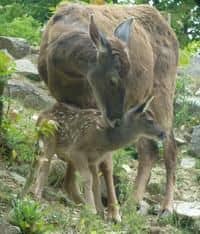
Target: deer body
[{"x": 82, "y": 66}]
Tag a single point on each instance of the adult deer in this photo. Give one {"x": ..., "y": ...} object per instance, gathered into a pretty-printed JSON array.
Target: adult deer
[
  {"x": 118, "y": 70},
  {"x": 80, "y": 140}
]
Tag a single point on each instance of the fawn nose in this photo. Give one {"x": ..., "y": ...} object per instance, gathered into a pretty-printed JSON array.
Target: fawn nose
[{"x": 162, "y": 135}]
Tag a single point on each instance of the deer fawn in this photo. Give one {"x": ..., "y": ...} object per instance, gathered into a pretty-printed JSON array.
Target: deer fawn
[{"x": 84, "y": 144}]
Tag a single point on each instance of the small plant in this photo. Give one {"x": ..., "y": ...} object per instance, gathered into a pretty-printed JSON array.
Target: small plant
[
  {"x": 132, "y": 222},
  {"x": 47, "y": 128},
  {"x": 28, "y": 215},
  {"x": 19, "y": 133},
  {"x": 188, "y": 52},
  {"x": 183, "y": 100},
  {"x": 90, "y": 223}
]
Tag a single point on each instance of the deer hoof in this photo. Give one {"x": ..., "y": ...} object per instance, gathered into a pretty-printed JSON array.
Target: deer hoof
[
  {"x": 114, "y": 215},
  {"x": 165, "y": 213}
]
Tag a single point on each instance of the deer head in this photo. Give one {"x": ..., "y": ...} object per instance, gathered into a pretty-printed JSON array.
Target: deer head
[
  {"x": 142, "y": 123},
  {"x": 108, "y": 76}
]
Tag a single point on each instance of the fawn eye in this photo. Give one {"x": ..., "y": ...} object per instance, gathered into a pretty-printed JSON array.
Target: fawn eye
[{"x": 113, "y": 81}]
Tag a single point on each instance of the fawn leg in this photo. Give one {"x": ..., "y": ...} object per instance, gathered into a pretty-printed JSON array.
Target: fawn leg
[
  {"x": 81, "y": 164},
  {"x": 70, "y": 185},
  {"x": 148, "y": 153},
  {"x": 107, "y": 170},
  {"x": 97, "y": 188},
  {"x": 170, "y": 152},
  {"x": 40, "y": 168}
]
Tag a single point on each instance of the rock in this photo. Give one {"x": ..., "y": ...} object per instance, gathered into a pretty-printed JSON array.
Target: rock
[
  {"x": 155, "y": 230},
  {"x": 188, "y": 163},
  {"x": 187, "y": 209},
  {"x": 29, "y": 94},
  {"x": 195, "y": 141},
  {"x": 33, "y": 58},
  {"x": 17, "y": 47},
  {"x": 57, "y": 172},
  {"x": 6, "y": 228},
  {"x": 26, "y": 68}
]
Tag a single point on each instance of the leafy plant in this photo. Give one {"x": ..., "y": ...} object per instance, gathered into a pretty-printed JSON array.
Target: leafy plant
[
  {"x": 28, "y": 215},
  {"x": 25, "y": 26},
  {"x": 47, "y": 128},
  {"x": 189, "y": 50},
  {"x": 184, "y": 101},
  {"x": 19, "y": 134}
]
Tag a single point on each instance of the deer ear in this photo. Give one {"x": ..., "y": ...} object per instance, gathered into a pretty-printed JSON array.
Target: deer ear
[
  {"x": 123, "y": 30},
  {"x": 97, "y": 37}
]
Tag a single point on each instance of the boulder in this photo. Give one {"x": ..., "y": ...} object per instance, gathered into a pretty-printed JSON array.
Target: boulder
[
  {"x": 27, "y": 68},
  {"x": 195, "y": 141},
  {"x": 31, "y": 95},
  {"x": 187, "y": 209},
  {"x": 188, "y": 163},
  {"x": 6, "y": 228},
  {"x": 17, "y": 47}
]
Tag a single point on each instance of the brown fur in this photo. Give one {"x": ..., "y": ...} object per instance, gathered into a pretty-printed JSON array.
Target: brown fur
[{"x": 153, "y": 54}]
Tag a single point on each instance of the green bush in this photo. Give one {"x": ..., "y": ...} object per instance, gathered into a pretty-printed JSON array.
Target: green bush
[
  {"x": 24, "y": 27},
  {"x": 188, "y": 52},
  {"x": 19, "y": 134},
  {"x": 183, "y": 116},
  {"x": 14, "y": 21},
  {"x": 28, "y": 215}
]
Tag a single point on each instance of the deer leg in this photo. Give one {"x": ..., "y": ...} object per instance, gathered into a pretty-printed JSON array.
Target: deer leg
[
  {"x": 170, "y": 152},
  {"x": 107, "y": 170},
  {"x": 148, "y": 153},
  {"x": 40, "y": 168},
  {"x": 97, "y": 188},
  {"x": 87, "y": 180},
  {"x": 70, "y": 185}
]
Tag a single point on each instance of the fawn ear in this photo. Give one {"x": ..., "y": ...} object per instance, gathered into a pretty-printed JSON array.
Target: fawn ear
[
  {"x": 97, "y": 36},
  {"x": 144, "y": 106},
  {"x": 123, "y": 30}
]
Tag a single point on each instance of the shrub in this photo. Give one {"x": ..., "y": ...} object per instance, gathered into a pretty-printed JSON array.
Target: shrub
[
  {"x": 28, "y": 215},
  {"x": 15, "y": 22},
  {"x": 19, "y": 134},
  {"x": 186, "y": 53}
]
